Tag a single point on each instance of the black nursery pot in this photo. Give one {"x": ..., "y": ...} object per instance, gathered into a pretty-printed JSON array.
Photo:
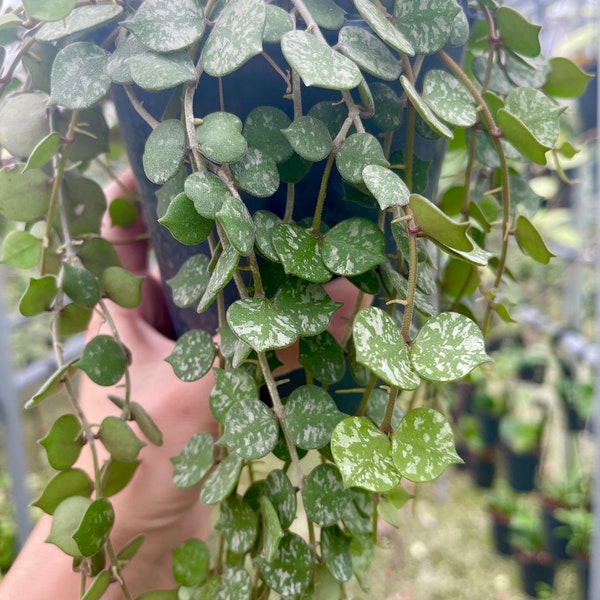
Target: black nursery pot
[
  {"x": 500, "y": 533},
  {"x": 483, "y": 468},
  {"x": 490, "y": 426},
  {"x": 582, "y": 566},
  {"x": 555, "y": 536},
  {"x": 521, "y": 470},
  {"x": 535, "y": 570}
]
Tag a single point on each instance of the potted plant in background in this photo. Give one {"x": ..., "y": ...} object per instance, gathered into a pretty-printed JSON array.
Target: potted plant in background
[
  {"x": 480, "y": 457},
  {"x": 576, "y": 399},
  {"x": 502, "y": 505},
  {"x": 268, "y": 202}
]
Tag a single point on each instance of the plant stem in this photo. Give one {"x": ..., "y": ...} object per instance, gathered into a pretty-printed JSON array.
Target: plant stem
[
  {"x": 316, "y": 224},
  {"x": 188, "y": 112},
  {"x": 117, "y": 570},
  {"x": 412, "y": 278},
  {"x": 362, "y": 408},
  {"x": 386, "y": 425},
  {"x": 139, "y": 108}
]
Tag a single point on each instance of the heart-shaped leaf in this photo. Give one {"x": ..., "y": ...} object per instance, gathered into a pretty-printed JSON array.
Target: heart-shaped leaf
[
  {"x": 309, "y": 137},
  {"x": 48, "y": 11},
  {"x": 66, "y": 519},
  {"x": 235, "y": 38},
  {"x": 24, "y": 196},
  {"x": 277, "y": 23},
  {"x": 280, "y": 491},
  {"x": 380, "y": 348},
  {"x": 358, "y": 151},
  {"x": 566, "y": 79},
  {"x": 449, "y": 99},
  {"x": 155, "y": 72},
  {"x": 448, "y": 347},
  {"x": 20, "y": 137},
  {"x": 68, "y": 483},
  {"x": 517, "y": 33},
  {"x": 38, "y": 296},
  {"x": 191, "y": 562},
  {"x": 530, "y": 241},
  {"x": 389, "y": 111},
  {"x": 95, "y": 526},
  {"x": 220, "y": 137},
  {"x": 256, "y": 173},
  {"x": 386, "y": 186},
  {"x": 122, "y": 287},
  {"x": 82, "y": 18},
  {"x": 311, "y": 415},
  {"x": 317, "y": 63},
  {"x": 263, "y": 129},
  {"x": 164, "y": 151},
  {"x": 222, "y": 480},
  {"x": 193, "y": 355},
  {"x": 103, "y": 360},
  {"x": 223, "y": 272},
  {"x": 363, "y": 455},
  {"x": 63, "y": 442},
  {"x": 322, "y": 357},
  {"x": 235, "y": 583},
  {"x": 194, "y": 461},
  {"x": 325, "y": 496},
  {"x": 184, "y": 222},
  {"x": 237, "y": 224},
  {"x": 423, "y": 445},
  {"x": 238, "y": 523},
  {"x": 21, "y": 249},
  {"x": 335, "y": 548},
  {"x": 116, "y": 475},
  {"x": 264, "y": 224},
  {"x": 190, "y": 282},
  {"x": 230, "y": 386},
  {"x": 207, "y": 192},
  {"x": 80, "y": 285},
  {"x": 119, "y": 439}
]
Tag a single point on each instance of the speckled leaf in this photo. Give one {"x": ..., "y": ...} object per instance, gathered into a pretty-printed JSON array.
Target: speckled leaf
[
  {"x": 394, "y": 281},
  {"x": 95, "y": 526},
  {"x": 335, "y": 549},
  {"x": 277, "y": 23},
  {"x": 378, "y": 402},
  {"x": 448, "y": 347},
  {"x": 42, "y": 10},
  {"x": 382, "y": 27},
  {"x": 427, "y": 24},
  {"x": 449, "y": 99},
  {"x": 363, "y": 455},
  {"x": 164, "y": 151},
  {"x": 155, "y": 72},
  {"x": 358, "y": 151},
  {"x": 299, "y": 252},
  {"x": 190, "y": 282},
  {"x": 236, "y": 37},
  {"x": 237, "y": 224},
  {"x": 530, "y": 241},
  {"x": 222, "y": 480},
  {"x": 264, "y": 225},
  {"x": 389, "y": 110},
  {"x": 44, "y": 151},
  {"x": 103, "y": 360},
  {"x": 369, "y": 53},
  {"x": 63, "y": 442},
  {"x": 256, "y": 173},
  {"x": 317, "y": 63},
  {"x": 119, "y": 439},
  {"x": 326, "y": 13},
  {"x": 322, "y": 357},
  {"x": 21, "y": 136},
  {"x": 167, "y": 26},
  {"x": 309, "y": 137},
  {"x": 459, "y": 35},
  {"x": 423, "y": 445},
  {"x": 353, "y": 246},
  {"x": 263, "y": 130},
  {"x": 325, "y": 496},
  {"x": 80, "y": 19},
  {"x": 272, "y": 531},
  {"x": 38, "y": 296},
  {"x": 193, "y": 355},
  {"x": 66, "y": 519},
  {"x": 238, "y": 523},
  {"x": 307, "y": 305},
  {"x": 220, "y": 137},
  {"x": 235, "y": 583},
  {"x": 71, "y": 482},
  {"x": 386, "y": 186},
  {"x": 423, "y": 109},
  {"x": 184, "y": 222},
  {"x": 21, "y": 249},
  {"x": 230, "y": 386},
  {"x": 194, "y": 461},
  {"x": 517, "y": 33},
  {"x": 281, "y": 493},
  {"x": 191, "y": 562},
  {"x": 289, "y": 572},
  {"x": 207, "y": 192},
  {"x": 358, "y": 516},
  {"x": 311, "y": 415},
  {"x": 24, "y": 196},
  {"x": 250, "y": 429},
  {"x": 380, "y": 348},
  {"x": 224, "y": 269},
  {"x": 79, "y": 77}
]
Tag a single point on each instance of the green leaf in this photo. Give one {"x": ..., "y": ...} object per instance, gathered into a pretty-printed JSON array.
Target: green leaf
[
  {"x": 322, "y": 357},
  {"x": 260, "y": 324},
  {"x": 222, "y": 480},
  {"x": 164, "y": 27},
  {"x": 230, "y": 386},
  {"x": 326, "y": 13},
  {"x": 279, "y": 490},
  {"x": 448, "y": 347},
  {"x": 63, "y": 442},
  {"x": 155, "y": 72},
  {"x": 73, "y": 319},
  {"x": 122, "y": 287},
  {"x": 310, "y": 416},
  {"x": 530, "y": 240},
  {"x": 358, "y": 151},
  {"x": 235, "y": 583},
  {"x": 194, "y": 461},
  {"x": 288, "y": 573},
  {"x": 24, "y": 196},
  {"x": 566, "y": 79},
  {"x": 21, "y": 136},
  {"x": 383, "y": 27},
  {"x": 335, "y": 549},
  {"x": 238, "y": 523},
  {"x": 43, "y": 152},
  {"x": 83, "y": 217},
  {"x": 299, "y": 252},
  {"x": 80, "y": 285},
  {"x": 95, "y": 527},
  {"x": 52, "y": 385},
  {"x": 271, "y": 531},
  {"x": 325, "y": 496},
  {"x": 250, "y": 429},
  {"x": 193, "y": 355},
  {"x": 423, "y": 109},
  {"x": 66, "y": 520},
  {"x": 449, "y": 99},
  {"x": 98, "y": 587},
  {"x": 358, "y": 516},
  {"x": 256, "y": 173},
  {"x": 235, "y": 38},
  {"x": 42, "y": 10},
  {"x": 191, "y": 281},
  {"x": 277, "y": 23},
  {"x": 380, "y": 348},
  {"x": 116, "y": 475},
  {"x": 388, "y": 189},
  {"x": 309, "y": 137},
  {"x": 220, "y": 137},
  {"x": 394, "y": 281},
  {"x": 191, "y": 562},
  {"x": 82, "y": 18},
  {"x": 263, "y": 129},
  {"x": 389, "y": 110},
  {"x": 79, "y": 77},
  {"x": 264, "y": 225},
  {"x": 69, "y": 483},
  {"x": 423, "y": 445},
  {"x": 237, "y": 224},
  {"x": 104, "y": 360},
  {"x": 318, "y": 64},
  {"x": 363, "y": 455},
  {"x": 130, "y": 549},
  {"x": 164, "y": 151},
  {"x": 426, "y": 24},
  {"x": 223, "y": 272},
  {"x": 21, "y": 249},
  {"x": 377, "y": 406},
  {"x": 184, "y": 223},
  {"x": 38, "y": 296},
  {"x": 207, "y": 192},
  {"x": 517, "y": 33},
  {"x": 146, "y": 424},
  {"x": 307, "y": 305},
  {"x": 119, "y": 439},
  {"x": 369, "y": 53}
]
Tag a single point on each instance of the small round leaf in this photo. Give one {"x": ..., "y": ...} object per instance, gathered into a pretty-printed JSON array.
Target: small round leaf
[
  {"x": 194, "y": 461},
  {"x": 119, "y": 439},
  {"x": 222, "y": 480},
  {"x": 164, "y": 151},
  {"x": 325, "y": 496},
  {"x": 63, "y": 442},
  {"x": 193, "y": 355},
  {"x": 104, "y": 360},
  {"x": 191, "y": 562}
]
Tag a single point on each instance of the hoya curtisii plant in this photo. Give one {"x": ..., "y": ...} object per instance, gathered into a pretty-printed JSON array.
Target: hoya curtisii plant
[{"x": 424, "y": 260}]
